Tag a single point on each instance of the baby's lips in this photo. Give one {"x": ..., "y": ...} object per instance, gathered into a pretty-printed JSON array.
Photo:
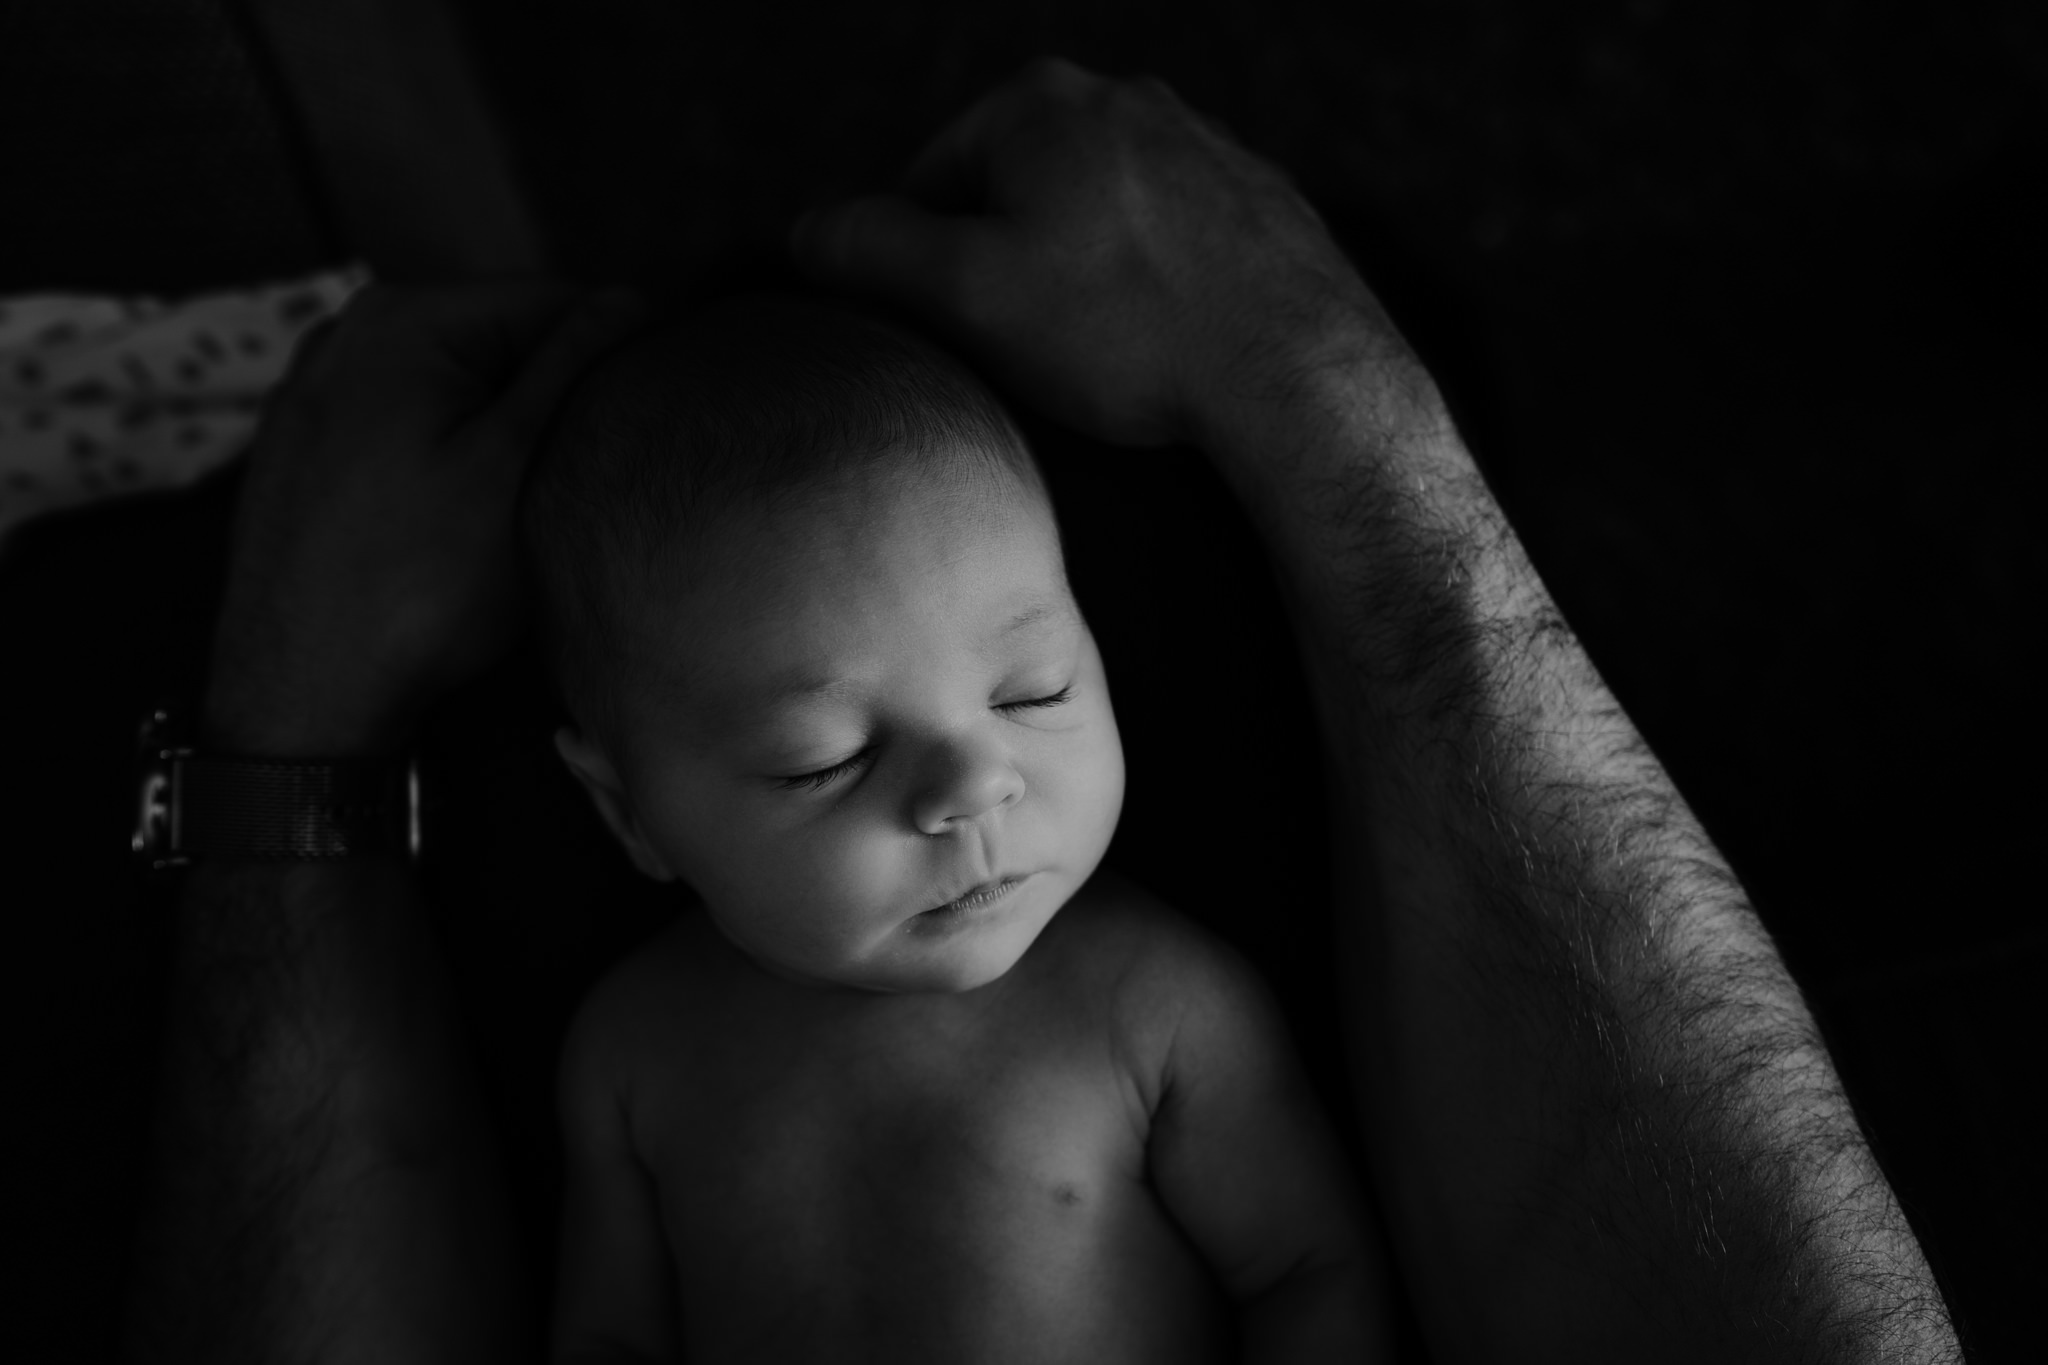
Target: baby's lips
[{"x": 1006, "y": 881}]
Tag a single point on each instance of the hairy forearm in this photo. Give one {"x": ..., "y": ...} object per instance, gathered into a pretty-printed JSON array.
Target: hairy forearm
[
  {"x": 1612, "y": 1121},
  {"x": 324, "y": 1187}
]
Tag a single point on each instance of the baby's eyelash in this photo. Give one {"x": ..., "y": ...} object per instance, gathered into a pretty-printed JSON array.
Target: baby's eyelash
[
  {"x": 1059, "y": 698},
  {"x": 824, "y": 777}
]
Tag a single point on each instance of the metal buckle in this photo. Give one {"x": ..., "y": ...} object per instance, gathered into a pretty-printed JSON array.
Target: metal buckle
[
  {"x": 412, "y": 809},
  {"x": 162, "y": 780},
  {"x": 157, "y": 753}
]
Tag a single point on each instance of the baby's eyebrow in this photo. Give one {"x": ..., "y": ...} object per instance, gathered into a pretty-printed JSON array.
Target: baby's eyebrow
[
  {"x": 1031, "y": 616},
  {"x": 804, "y": 685},
  {"x": 1044, "y": 612},
  {"x": 759, "y": 708},
  {"x": 762, "y": 707}
]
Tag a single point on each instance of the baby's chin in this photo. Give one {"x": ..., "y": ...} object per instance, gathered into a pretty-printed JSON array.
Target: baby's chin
[
  {"x": 922, "y": 978},
  {"x": 936, "y": 979},
  {"x": 928, "y": 955},
  {"x": 955, "y": 971}
]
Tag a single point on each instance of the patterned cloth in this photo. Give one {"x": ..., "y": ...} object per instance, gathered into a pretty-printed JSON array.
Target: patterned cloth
[{"x": 105, "y": 396}]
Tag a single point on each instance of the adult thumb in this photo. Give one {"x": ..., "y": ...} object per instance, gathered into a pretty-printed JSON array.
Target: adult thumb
[{"x": 886, "y": 246}]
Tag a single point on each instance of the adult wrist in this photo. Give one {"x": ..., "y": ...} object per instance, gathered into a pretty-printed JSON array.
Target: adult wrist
[
  {"x": 1346, "y": 402},
  {"x": 271, "y": 784},
  {"x": 269, "y": 721},
  {"x": 1340, "y": 360}
]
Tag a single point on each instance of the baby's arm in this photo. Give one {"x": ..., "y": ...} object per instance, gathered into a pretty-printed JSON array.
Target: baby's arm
[
  {"x": 615, "y": 1293},
  {"x": 1243, "y": 1156}
]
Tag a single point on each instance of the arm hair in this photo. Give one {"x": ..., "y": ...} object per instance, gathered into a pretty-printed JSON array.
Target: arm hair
[{"x": 1602, "y": 1115}]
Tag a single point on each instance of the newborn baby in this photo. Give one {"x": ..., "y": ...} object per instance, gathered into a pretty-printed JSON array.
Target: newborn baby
[{"x": 916, "y": 1082}]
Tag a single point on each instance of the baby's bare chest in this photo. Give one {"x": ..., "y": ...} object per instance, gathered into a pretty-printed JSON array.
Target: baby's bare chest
[
  {"x": 991, "y": 1196},
  {"x": 848, "y": 1142}
]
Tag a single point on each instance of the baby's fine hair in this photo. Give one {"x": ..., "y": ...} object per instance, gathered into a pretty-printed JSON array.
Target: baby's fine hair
[{"x": 728, "y": 405}]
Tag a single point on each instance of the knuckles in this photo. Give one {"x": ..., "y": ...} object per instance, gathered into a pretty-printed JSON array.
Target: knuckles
[
  {"x": 1091, "y": 106},
  {"x": 1058, "y": 77}
]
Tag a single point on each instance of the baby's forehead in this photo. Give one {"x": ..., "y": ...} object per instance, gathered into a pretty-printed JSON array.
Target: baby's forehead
[
  {"x": 814, "y": 572},
  {"x": 873, "y": 505}
]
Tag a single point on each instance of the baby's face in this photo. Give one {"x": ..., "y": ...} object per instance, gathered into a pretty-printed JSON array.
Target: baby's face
[{"x": 882, "y": 749}]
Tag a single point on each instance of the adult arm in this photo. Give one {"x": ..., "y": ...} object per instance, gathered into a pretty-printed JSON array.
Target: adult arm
[
  {"x": 325, "y": 1186},
  {"x": 1604, "y": 1125}
]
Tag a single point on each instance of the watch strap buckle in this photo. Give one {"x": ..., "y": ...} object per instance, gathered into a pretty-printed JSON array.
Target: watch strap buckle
[{"x": 191, "y": 804}]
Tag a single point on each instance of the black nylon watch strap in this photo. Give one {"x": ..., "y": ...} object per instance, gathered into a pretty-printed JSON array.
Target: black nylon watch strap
[{"x": 252, "y": 808}]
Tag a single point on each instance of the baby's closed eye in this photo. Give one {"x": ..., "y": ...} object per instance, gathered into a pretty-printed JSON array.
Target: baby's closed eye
[{"x": 1059, "y": 698}]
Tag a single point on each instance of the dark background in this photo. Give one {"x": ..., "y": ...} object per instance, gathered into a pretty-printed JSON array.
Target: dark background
[{"x": 1739, "y": 305}]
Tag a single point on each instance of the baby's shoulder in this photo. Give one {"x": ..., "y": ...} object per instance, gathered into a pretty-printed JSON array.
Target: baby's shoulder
[
  {"x": 637, "y": 1004},
  {"x": 1187, "y": 1007},
  {"x": 1154, "y": 962},
  {"x": 1113, "y": 918}
]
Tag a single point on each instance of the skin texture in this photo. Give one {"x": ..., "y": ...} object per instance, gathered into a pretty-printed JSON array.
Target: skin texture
[
  {"x": 828, "y": 1119},
  {"x": 326, "y": 1187},
  {"x": 881, "y": 698},
  {"x": 1604, "y": 1126}
]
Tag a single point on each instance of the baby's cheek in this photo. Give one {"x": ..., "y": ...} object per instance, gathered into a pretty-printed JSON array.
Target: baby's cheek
[
  {"x": 852, "y": 878},
  {"x": 880, "y": 871},
  {"x": 699, "y": 845},
  {"x": 1092, "y": 791}
]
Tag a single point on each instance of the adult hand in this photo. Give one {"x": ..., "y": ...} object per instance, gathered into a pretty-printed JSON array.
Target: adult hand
[
  {"x": 1108, "y": 254},
  {"x": 372, "y": 563}
]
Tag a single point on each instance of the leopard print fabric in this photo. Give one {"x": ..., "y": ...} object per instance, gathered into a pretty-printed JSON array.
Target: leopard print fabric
[{"x": 101, "y": 397}]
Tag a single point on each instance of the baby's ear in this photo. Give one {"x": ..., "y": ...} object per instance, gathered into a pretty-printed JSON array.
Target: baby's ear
[{"x": 608, "y": 794}]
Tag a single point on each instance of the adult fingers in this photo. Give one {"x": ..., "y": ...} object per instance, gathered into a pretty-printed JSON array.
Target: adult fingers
[
  {"x": 951, "y": 173},
  {"x": 946, "y": 176},
  {"x": 886, "y": 246},
  {"x": 552, "y": 367},
  {"x": 486, "y": 329},
  {"x": 453, "y": 346},
  {"x": 310, "y": 344}
]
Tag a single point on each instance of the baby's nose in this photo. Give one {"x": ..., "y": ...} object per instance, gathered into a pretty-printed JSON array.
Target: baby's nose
[{"x": 968, "y": 779}]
